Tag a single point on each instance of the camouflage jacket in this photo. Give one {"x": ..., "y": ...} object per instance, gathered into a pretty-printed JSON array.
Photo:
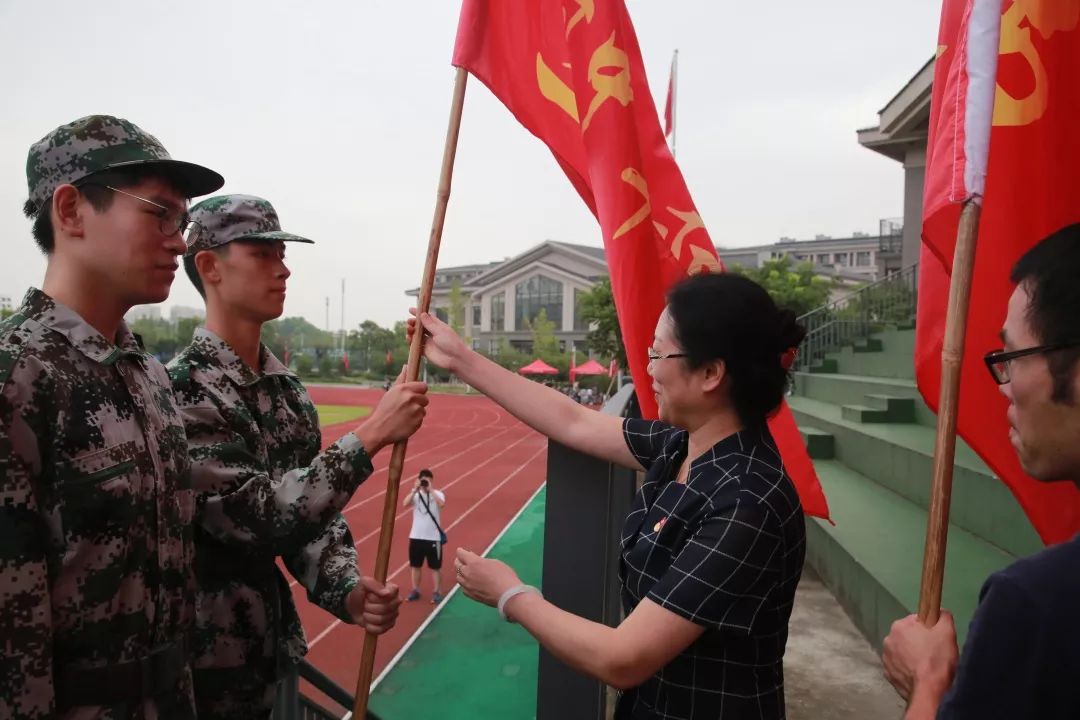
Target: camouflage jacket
[
  {"x": 262, "y": 490},
  {"x": 95, "y": 511}
]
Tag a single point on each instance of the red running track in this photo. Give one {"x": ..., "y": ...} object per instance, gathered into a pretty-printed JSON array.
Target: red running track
[{"x": 486, "y": 461}]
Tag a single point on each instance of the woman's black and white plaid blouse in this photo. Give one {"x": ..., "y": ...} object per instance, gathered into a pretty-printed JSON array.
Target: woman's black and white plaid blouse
[{"x": 725, "y": 550}]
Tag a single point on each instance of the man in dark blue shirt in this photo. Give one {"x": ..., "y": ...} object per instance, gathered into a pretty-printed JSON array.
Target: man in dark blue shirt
[{"x": 1022, "y": 655}]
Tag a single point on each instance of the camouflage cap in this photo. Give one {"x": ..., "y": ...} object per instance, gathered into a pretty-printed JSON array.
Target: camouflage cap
[
  {"x": 96, "y": 143},
  {"x": 222, "y": 219}
]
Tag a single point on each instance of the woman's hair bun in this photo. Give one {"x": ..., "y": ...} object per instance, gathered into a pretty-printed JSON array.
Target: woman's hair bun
[{"x": 791, "y": 333}]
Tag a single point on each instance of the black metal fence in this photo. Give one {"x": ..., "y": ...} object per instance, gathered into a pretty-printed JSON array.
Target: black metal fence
[
  {"x": 587, "y": 501},
  {"x": 293, "y": 705},
  {"x": 853, "y": 318}
]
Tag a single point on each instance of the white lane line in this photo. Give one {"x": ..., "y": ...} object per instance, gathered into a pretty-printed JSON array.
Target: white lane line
[
  {"x": 336, "y": 622},
  {"x": 436, "y": 465},
  {"x": 403, "y": 513}
]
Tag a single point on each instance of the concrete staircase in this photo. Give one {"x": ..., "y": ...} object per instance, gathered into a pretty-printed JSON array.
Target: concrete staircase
[{"x": 872, "y": 441}]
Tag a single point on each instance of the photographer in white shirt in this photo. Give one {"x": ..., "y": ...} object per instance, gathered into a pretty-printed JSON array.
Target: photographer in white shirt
[{"x": 426, "y": 537}]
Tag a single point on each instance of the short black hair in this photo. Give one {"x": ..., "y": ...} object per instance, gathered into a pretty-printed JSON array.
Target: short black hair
[
  {"x": 427, "y": 473},
  {"x": 729, "y": 317},
  {"x": 193, "y": 272},
  {"x": 1049, "y": 273},
  {"x": 94, "y": 190},
  {"x": 42, "y": 229}
]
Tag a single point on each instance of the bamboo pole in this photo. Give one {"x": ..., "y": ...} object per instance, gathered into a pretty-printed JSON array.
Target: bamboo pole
[
  {"x": 397, "y": 460},
  {"x": 952, "y": 355}
]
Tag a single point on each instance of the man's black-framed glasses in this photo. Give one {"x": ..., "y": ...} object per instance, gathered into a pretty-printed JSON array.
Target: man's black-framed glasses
[{"x": 997, "y": 361}]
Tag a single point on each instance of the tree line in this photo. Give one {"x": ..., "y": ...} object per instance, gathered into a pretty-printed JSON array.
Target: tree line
[{"x": 377, "y": 352}]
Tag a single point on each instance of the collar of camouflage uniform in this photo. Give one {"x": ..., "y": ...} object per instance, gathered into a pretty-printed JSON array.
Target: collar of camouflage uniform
[
  {"x": 36, "y": 305},
  {"x": 222, "y": 354}
]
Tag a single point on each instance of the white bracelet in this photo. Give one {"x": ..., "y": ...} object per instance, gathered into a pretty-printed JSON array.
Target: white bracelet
[{"x": 516, "y": 590}]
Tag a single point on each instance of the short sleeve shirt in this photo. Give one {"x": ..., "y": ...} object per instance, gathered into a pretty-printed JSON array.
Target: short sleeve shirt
[
  {"x": 423, "y": 525},
  {"x": 1021, "y": 658},
  {"x": 724, "y": 550}
]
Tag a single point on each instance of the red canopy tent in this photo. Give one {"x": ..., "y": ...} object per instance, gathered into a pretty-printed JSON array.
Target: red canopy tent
[
  {"x": 538, "y": 367},
  {"x": 589, "y": 368}
]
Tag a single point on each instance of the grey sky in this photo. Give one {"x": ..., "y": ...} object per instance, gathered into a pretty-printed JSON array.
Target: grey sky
[{"x": 336, "y": 112}]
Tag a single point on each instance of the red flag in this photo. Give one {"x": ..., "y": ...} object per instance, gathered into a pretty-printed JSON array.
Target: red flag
[
  {"x": 613, "y": 368},
  {"x": 345, "y": 359},
  {"x": 669, "y": 106},
  {"x": 1032, "y": 182},
  {"x": 389, "y": 357},
  {"x": 576, "y": 80}
]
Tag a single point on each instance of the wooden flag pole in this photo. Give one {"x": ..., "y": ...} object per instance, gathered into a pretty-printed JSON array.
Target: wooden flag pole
[
  {"x": 674, "y": 98},
  {"x": 952, "y": 355},
  {"x": 397, "y": 460}
]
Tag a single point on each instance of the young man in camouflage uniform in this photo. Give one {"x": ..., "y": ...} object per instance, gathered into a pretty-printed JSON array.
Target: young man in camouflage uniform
[
  {"x": 95, "y": 502},
  {"x": 263, "y": 490}
]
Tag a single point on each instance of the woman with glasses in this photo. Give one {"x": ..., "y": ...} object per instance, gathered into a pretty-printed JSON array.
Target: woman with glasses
[{"x": 713, "y": 548}]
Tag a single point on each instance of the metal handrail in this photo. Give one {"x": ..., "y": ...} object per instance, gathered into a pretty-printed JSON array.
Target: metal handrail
[
  {"x": 853, "y": 318},
  {"x": 292, "y": 705},
  {"x": 325, "y": 685}
]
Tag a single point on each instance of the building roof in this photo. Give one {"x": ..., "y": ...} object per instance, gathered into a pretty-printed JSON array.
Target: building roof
[
  {"x": 486, "y": 274},
  {"x": 596, "y": 252},
  {"x": 904, "y": 120},
  {"x": 535, "y": 253},
  {"x": 490, "y": 273},
  {"x": 786, "y": 245}
]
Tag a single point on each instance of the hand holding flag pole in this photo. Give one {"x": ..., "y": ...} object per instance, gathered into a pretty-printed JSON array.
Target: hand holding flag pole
[{"x": 397, "y": 460}]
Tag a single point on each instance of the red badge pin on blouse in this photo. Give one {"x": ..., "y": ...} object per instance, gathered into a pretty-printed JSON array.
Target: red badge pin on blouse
[{"x": 659, "y": 524}]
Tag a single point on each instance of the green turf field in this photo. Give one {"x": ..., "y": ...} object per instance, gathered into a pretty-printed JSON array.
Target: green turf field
[
  {"x": 333, "y": 414},
  {"x": 469, "y": 662}
]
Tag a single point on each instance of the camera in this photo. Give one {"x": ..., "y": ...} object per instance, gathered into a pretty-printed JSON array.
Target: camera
[{"x": 423, "y": 482}]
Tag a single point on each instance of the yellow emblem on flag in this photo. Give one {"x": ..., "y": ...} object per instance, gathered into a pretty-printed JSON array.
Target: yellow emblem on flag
[{"x": 1047, "y": 17}]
